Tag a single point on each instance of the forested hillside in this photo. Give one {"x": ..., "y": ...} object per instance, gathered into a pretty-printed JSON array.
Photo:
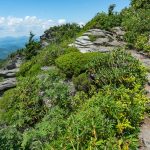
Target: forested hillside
[{"x": 68, "y": 100}]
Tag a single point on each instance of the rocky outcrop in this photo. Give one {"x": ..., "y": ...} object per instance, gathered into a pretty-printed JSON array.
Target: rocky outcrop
[
  {"x": 99, "y": 40},
  {"x": 8, "y": 73},
  {"x": 7, "y": 84},
  {"x": 13, "y": 64}
]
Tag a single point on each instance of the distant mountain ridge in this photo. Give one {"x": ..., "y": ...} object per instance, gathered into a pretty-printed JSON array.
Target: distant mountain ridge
[{"x": 11, "y": 44}]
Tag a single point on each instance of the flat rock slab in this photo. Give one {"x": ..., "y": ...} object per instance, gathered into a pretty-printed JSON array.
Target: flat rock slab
[
  {"x": 104, "y": 41},
  {"x": 143, "y": 59},
  {"x": 7, "y": 84},
  {"x": 8, "y": 73},
  {"x": 145, "y": 135}
]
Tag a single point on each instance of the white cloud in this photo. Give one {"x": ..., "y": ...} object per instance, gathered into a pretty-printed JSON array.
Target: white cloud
[
  {"x": 13, "y": 26},
  {"x": 2, "y": 20},
  {"x": 11, "y": 21},
  {"x": 81, "y": 24},
  {"x": 61, "y": 21}
]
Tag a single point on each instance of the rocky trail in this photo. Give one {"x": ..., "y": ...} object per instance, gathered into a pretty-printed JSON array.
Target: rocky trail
[{"x": 145, "y": 127}]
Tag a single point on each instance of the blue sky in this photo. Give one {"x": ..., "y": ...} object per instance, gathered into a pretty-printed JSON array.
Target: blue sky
[{"x": 20, "y": 16}]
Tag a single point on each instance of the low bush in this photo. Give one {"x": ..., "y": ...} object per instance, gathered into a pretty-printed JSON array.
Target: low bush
[
  {"x": 62, "y": 33},
  {"x": 106, "y": 121},
  {"x": 29, "y": 68},
  {"x": 10, "y": 138},
  {"x": 72, "y": 63},
  {"x": 104, "y": 21},
  {"x": 55, "y": 91},
  {"x": 75, "y": 63},
  {"x": 49, "y": 129},
  {"x": 116, "y": 68},
  {"x": 142, "y": 43},
  {"x": 82, "y": 83},
  {"x": 22, "y": 107}
]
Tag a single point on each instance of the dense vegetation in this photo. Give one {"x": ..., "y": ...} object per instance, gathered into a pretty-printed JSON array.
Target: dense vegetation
[
  {"x": 63, "y": 33},
  {"x": 134, "y": 20},
  {"x": 68, "y": 100}
]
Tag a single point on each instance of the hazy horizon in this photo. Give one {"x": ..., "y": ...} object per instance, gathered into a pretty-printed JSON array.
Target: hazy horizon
[{"x": 19, "y": 17}]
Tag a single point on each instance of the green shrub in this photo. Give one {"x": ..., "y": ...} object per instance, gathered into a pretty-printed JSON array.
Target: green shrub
[
  {"x": 116, "y": 68},
  {"x": 62, "y": 33},
  {"x": 104, "y": 121},
  {"x": 49, "y": 54},
  {"x": 142, "y": 43},
  {"x": 138, "y": 4},
  {"x": 68, "y": 50},
  {"x": 75, "y": 63},
  {"x": 82, "y": 83},
  {"x": 22, "y": 106},
  {"x": 25, "y": 67},
  {"x": 34, "y": 70},
  {"x": 78, "y": 100},
  {"x": 136, "y": 23},
  {"x": 31, "y": 48},
  {"x": 72, "y": 63},
  {"x": 55, "y": 91},
  {"x": 30, "y": 68},
  {"x": 49, "y": 129},
  {"x": 103, "y": 21},
  {"x": 45, "y": 58},
  {"x": 10, "y": 138}
]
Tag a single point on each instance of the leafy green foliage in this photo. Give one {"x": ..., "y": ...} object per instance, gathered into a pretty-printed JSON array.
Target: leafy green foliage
[
  {"x": 55, "y": 91},
  {"x": 138, "y": 4},
  {"x": 111, "y": 9},
  {"x": 72, "y": 63},
  {"x": 46, "y": 57},
  {"x": 104, "y": 21},
  {"x": 142, "y": 43},
  {"x": 80, "y": 101},
  {"x": 116, "y": 68},
  {"x": 82, "y": 83},
  {"x": 62, "y": 33},
  {"x": 104, "y": 121},
  {"x": 10, "y": 138},
  {"x": 136, "y": 24},
  {"x": 32, "y": 47},
  {"x": 25, "y": 68},
  {"x": 47, "y": 130},
  {"x": 22, "y": 106}
]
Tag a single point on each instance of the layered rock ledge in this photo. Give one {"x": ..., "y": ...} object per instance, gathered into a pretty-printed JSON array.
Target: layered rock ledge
[
  {"x": 8, "y": 75},
  {"x": 99, "y": 40}
]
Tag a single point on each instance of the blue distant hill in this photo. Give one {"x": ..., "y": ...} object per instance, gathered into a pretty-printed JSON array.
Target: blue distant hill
[{"x": 11, "y": 44}]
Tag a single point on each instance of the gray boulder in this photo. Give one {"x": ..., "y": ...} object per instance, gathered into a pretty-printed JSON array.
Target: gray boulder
[
  {"x": 7, "y": 84},
  {"x": 8, "y": 73},
  {"x": 105, "y": 41},
  {"x": 118, "y": 31}
]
